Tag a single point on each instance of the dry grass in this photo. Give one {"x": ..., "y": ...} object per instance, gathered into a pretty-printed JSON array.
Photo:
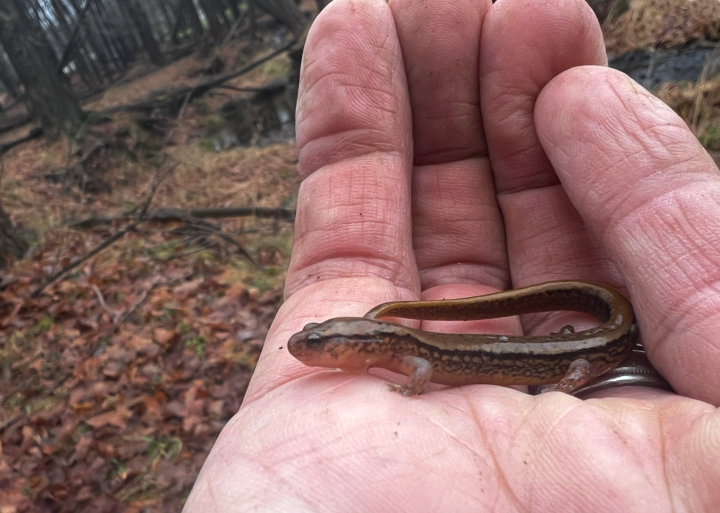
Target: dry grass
[
  {"x": 653, "y": 23},
  {"x": 649, "y": 24},
  {"x": 693, "y": 102},
  {"x": 698, "y": 103}
]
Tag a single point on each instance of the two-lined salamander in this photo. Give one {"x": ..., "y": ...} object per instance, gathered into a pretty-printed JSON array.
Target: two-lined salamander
[{"x": 568, "y": 358}]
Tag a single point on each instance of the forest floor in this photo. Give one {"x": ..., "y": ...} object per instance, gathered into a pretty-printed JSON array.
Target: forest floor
[{"x": 116, "y": 379}]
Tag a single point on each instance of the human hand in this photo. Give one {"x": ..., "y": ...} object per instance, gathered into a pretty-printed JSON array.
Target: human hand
[{"x": 423, "y": 180}]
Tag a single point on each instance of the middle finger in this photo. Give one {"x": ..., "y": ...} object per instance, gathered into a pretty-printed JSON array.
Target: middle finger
[{"x": 457, "y": 229}]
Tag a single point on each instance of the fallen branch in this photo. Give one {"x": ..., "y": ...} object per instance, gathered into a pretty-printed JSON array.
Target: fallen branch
[
  {"x": 113, "y": 314},
  {"x": 229, "y": 239},
  {"x": 33, "y": 134},
  {"x": 183, "y": 214},
  {"x": 118, "y": 235},
  {"x": 86, "y": 173},
  {"x": 189, "y": 93},
  {"x": 14, "y": 122}
]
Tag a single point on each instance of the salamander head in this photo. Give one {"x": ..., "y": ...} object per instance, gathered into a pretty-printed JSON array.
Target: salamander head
[{"x": 348, "y": 343}]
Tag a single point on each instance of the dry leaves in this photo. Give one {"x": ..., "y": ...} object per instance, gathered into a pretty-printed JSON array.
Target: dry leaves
[{"x": 105, "y": 416}]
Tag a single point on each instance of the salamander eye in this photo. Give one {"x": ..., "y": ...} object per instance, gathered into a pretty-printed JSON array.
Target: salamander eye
[{"x": 314, "y": 340}]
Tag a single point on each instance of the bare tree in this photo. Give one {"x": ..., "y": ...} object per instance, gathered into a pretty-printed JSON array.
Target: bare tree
[
  {"x": 48, "y": 98},
  {"x": 137, "y": 18},
  {"x": 286, "y": 12}
]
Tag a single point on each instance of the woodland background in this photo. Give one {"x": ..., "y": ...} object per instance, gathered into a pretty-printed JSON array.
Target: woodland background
[{"x": 147, "y": 193}]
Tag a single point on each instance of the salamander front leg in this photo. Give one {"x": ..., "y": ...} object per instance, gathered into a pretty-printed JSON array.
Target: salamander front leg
[
  {"x": 578, "y": 374},
  {"x": 419, "y": 372}
]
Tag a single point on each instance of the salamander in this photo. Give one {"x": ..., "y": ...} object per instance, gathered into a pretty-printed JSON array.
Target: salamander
[{"x": 570, "y": 359}]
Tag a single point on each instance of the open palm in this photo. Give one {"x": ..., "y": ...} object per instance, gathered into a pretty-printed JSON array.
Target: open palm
[{"x": 452, "y": 148}]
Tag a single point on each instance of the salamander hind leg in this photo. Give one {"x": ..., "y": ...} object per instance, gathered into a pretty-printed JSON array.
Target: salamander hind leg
[
  {"x": 419, "y": 372},
  {"x": 578, "y": 374}
]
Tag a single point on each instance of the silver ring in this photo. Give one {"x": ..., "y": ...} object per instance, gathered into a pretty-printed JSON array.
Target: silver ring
[{"x": 636, "y": 370}]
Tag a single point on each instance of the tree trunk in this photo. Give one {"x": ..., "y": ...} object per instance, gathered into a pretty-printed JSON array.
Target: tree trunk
[
  {"x": 286, "y": 12},
  {"x": 11, "y": 244},
  {"x": 50, "y": 102},
  {"x": 168, "y": 16},
  {"x": 141, "y": 24},
  {"x": 7, "y": 82},
  {"x": 253, "y": 21},
  {"x": 192, "y": 16},
  {"x": 233, "y": 5},
  {"x": 216, "y": 29}
]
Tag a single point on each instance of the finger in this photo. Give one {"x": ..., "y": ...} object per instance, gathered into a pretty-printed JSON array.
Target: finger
[
  {"x": 457, "y": 229},
  {"x": 546, "y": 239},
  {"x": 651, "y": 194},
  {"x": 352, "y": 231},
  {"x": 440, "y": 43},
  {"x": 353, "y": 134},
  {"x": 514, "y": 68}
]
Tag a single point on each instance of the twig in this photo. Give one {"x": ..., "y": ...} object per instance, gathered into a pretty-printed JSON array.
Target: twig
[
  {"x": 114, "y": 314},
  {"x": 155, "y": 283},
  {"x": 182, "y": 214},
  {"x": 241, "y": 89},
  {"x": 133, "y": 307},
  {"x": 101, "y": 299},
  {"x": 232, "y": 30},
  {"x": 227, "y": 238},
  {"x": 181, "y": 112},
  {"x": 118, "y": 235},
  {"x": 188, "y": 253},
  {"x": 153, "y": 190}
]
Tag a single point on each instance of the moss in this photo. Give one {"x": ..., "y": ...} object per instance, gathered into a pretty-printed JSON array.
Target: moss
[
  {"x": 197, "y": 343},
  {"x": 277, "y": 68},
  {"x": 206, "y": 145}
]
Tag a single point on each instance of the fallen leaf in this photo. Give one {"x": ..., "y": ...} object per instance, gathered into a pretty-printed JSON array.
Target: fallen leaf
[
  {"x": 116, "y": 418},
  {"x": 163, "y": 336},
  {"x": 82, "y": 447}
]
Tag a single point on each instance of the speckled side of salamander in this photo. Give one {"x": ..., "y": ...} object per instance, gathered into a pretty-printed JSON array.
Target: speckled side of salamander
[{"x": 357, "y": 344}]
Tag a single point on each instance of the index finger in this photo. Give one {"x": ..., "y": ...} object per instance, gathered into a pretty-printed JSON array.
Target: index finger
[
  {"x": 353, "y": 133},
  {"x": 353, "y": 247}
]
